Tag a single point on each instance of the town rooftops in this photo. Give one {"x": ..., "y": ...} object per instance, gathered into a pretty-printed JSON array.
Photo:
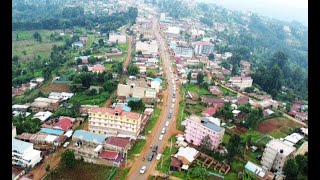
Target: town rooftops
[
  {"x": 255, "y": 169},
  {"x": 209, "y": 111},
  {"x": 175, "y": 162},
  {"x": 157, "y": 79},
  {"x": 203, "y": 43},
  {"x": 18, "y": 106},
  {"x": 278, "y": 145},
  {"x": 88, "y": 136},
  {"x": 188, "y": 153},
  {"x": 42, "y": 115},
  {"x": 294, "y": 138},
  {"x": 109, "y": 154},
  {"x": 240, "y": 78},
  {"x": 98, "y": 67},
  {"x": 118, "y": 141},
  {"x": 51, "y": 131},
  {"x": 118, "y": 109},
  {"x": 63, "y": 124},
  {"x": 47, "y": 100},
  {"x": 20, "y": 146}
]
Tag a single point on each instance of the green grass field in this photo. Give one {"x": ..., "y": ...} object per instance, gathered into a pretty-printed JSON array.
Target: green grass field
[
  {"x": 86, "y": 99},
  {"x": 199, "y": 90},
  {"x": 164, "y": 163},
  {"x": 152, "y": 121},
  {"x": 137, "y": 148}
]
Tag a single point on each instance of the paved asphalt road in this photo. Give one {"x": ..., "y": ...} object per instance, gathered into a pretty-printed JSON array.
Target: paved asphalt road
[{"x": 155, "y": 141}]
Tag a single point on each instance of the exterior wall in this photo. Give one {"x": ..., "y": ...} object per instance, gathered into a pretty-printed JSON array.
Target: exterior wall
[
  {"x": 112, "y": 124},
  {"x": 116, "y": 148},
  {"x": 18, "y": 158},
  {"x": 14, "y": 132},
  {"x": 203, "y": 49},
  {"x": 137, "y": 92},
  {"x": 195, "y": 132},
  {"x": 242, "y": 83},
  {"x": 183, "y": 52}
]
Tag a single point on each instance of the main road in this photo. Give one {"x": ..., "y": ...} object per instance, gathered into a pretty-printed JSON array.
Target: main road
[{"x": 134, "y": 173}]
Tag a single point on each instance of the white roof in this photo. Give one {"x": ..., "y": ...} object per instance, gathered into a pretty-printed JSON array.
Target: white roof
[
  {"x": 42, "y": 115},
  {"x": 50, "y": 138},
  {"x": 185, "y": 167},
  {"x": 278, "y": 145},
  {"x": 188, "y": 153},
  {"x": 32, "y": 154},
  {"x": 255, "y": 169},
  {"x": 236, "y": 111},
  {"x": 18, "y": 106},
  {"x": 16, "y": 113},
  {"x": 214, "y": 120},
  {"x": 67, "y": 94},
  {"x": 304, "y": 130},
  {"x": 180, "y": 139},
  {"x": 294, "y": 138},
  {"x": 68, "y": 133},
  {"x": 98, "y": 148}
]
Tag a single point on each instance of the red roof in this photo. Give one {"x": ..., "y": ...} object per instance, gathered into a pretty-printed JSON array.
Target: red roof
[
  {"x": 103, "y": 110},
  {"x": 218, "y": 102},
  {"x": 118, "y": 109},
  {"x": 121, "y": 98},
  {"x": 64, "y": 124},
  {"x": 204, "y": 43},
  {"x": 175, "y": 162},
  {"x": 98, "y": 68},
  {"x": 210, "y": 111},
  {"x": 109, "y": 154},
  {"x": 118, "y": 141}
]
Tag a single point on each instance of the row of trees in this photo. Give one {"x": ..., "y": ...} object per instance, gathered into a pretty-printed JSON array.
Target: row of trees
[{"x": 295, "y": 166}]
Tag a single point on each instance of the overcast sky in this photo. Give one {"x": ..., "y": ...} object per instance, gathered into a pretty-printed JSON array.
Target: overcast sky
[{"x": 280, "y": 9}]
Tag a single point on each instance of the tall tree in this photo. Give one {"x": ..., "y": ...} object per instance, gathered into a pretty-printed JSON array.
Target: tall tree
[
  {"x": 200, "y": 78},
  {"x": 234, "y": 147},
  {"x": 133, "y": 70},
  {"x": 206, "y": 144},
  {"x": 291, "y": 169},
  {"x": 68, "y": 158},
  {"x": 211, "y": 57},
  {"x": 189, "y": 77},
  {"x": 198, "y": 173}
]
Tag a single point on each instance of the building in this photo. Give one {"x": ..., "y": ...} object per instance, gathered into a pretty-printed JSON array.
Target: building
[
  {"x": 181, "y": 51},
  {"x": 118, "y": 144},
  {"x": 147, "y": 47},
  {"x": 24, "y": 155},
  {"x": 212, "y": 102},
  {"x": 241, "y": 82},
  {"x": 197, "y": 128},
  {"x": 114, "y": 121},
  {"x": 192, "y": 62},
  {"x": 276, "y": 154},
  {"x": 14, "y": 131},
  {"x": 215, "y": 90},
  {"x": 260, "y": 172},
  {"x": 97, "y": 68},
  {"x": 156, "y": 84},
  {"x": 60, "y": 95},
  {"x": 203, "y": 47},
  {"x": 43, "y": 116},
  {"x": 20, "y": 108},
  {"x": 187, "y": 155},
  {"x": 63, "y": 124},
  {"x": 210, "y": 111},
  {"x": 116, "y": 37},
  {"x": 135, "y": 91},
  {"x": 44, "y": 104},
  {"x": 173, "y": 30}
]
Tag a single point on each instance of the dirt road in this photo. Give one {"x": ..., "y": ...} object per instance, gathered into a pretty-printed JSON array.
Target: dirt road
[{"x": 125, "y": 65}]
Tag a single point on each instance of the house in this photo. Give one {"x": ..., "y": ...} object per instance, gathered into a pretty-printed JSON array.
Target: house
[
  {"x": 51, "y": 131},
  {"x": 267, "y": 112},
  {"x": 241, "y": 82},
  {"x": 88, "y": 137},
  {"x": 20, "y": 108},
  {"x": 43, "y": 116},
  {"x": 215, "y": 90},
  {"x": 44, "y": 104},
  {"x": 63, "y": 124},
  {"x": 97, "y": 68},
  {"x": 210, "y": 111},
  {"x": 197, "y": 128},
  {"x": 24, "y": 155},
  {"x": 175, "y": 164},
  {"x": 111, "y": 118},
  {"x": 203, "y": 47},
  {"x": 116, "y": 37},
  {"x": 187, "y": 155},
  {"x": 118, "y": 144},
  {"x": 192, "y": 62},
  {"x": 212, "y": 102},
  {"x": 113, "y": 157},
  {"x": 60, "y": 96},
  {"x": 242, "y": 100},
  {"x": 194, "y": 96},
  {"x": 276, "y": 154},
  {"x": 156, "y": 84},
  {"x": 60, "y": 140},
  {"x": 293, "y": 138},
  {"x": 83, "y": 39},
  {"x": 260, "y": 172}
]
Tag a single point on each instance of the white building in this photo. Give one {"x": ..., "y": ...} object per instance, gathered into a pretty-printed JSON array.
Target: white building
[
  {"x": 276, "y": 154},
  {"x": 241, "y": 82},
  {"x": 43, "y": 116},
  {"x": 197, "y": 32},
  {"x": 173, "y": 30},
  {"x": 134, "y": 91},
  {"x": 24, "y": 155},
  {"x": 114, "y": 37},
  {"x": 147, "y": 47},
  {"x": 193, "y": 62},
  {"x": 202, "y": 47},
  {"x": 181, "y": 51}
]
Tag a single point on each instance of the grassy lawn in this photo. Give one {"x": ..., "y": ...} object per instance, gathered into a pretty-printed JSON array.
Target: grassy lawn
[
  {"x": 152, "y": 121},
  {"x": 255, "y": 135},
  {"x": 123, "y": 47},
  {"x": 123, "y": 173},
  {"x": 236, "y": 166},
  {"x": 181, "y": 113},
  {"x": 108, "y": 66},
  {"x": 278, "y": 134},
  {"x": 164, "y": 163},
  {"x": 137, "y": 148},
  {"x": 199, "y": 90},
  {"x": 226, "y": 138},
  {"x": 152, "y": 70},
  {"x": 92, "y": 171},
  {"x": 197, "y": 108},
  {"x": 91, "y": 100}
]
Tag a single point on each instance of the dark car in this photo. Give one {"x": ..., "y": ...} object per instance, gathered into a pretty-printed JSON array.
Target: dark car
[
  {"x": 151, "y": 156},
  {"x": 155, "y": 148},
  {"x": 169, "y": 116}
]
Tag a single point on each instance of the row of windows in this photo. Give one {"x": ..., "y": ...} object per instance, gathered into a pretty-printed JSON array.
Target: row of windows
[{"x": 104, "y": 124}]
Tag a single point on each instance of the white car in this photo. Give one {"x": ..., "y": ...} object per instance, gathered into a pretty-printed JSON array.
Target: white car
[
  {"x": 167, "y": 123},
  {"x": 163, "y": 130},
  {"x": 172, "y": 105},
  {"x": 159, "y": 156},
  {"x": 161, "y": 137},
  {"x": 143, "y": 169},
  {"x": 173, "y": 100},
  {"x": 66, "y": 144}
]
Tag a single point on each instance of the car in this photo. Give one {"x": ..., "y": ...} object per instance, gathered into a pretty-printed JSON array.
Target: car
[
  {"x": 155, "y": 148},
  {"x": 173, "y": 95},
  {"x": 163, "y": 130},
  {"x": 161, "y": 137},
  {"x": 151, "y": 156},
  {"x": 172, "y": 105},
  {"x": 66, "y": 144},
  {"x": 170, "y": 111},
  {"x": 158, "y": 156},
  {"x": 143, "y": 169},
  {"x": 169, "y": 116},
  {"x": 173, "y": 100},
  {"x": 167, "y": 123}
]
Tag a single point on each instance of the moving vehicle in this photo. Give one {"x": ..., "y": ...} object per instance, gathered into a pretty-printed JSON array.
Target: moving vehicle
[
  {"x": 158, "y": 156},
  {"x": 155, "y": 148},
  {"x": 143, "y": 169},
  {"x": 66, "y": 144},
  {"x": 173, "y": 100},
  {"x": 151, "y": 156},
  {"x": 169, "y": 116},
  {"x": 161, "y": 137},
  {"x": 172, "y": 105},
  {"x": 163, "y": 130},
  {"x": 167, "y": 123}
]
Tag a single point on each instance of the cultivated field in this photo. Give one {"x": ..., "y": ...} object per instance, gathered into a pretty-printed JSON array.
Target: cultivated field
[
  {"x": 55, "y": 88},
  {"x": 279, "y": 123}
]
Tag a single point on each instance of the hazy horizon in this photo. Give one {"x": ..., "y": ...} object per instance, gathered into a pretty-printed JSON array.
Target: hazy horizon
[{"x": 286, "y": 10}]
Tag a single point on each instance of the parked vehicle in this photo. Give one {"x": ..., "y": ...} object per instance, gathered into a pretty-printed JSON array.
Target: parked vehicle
[
  {"x": 151, "y": 156},
  {"x": 172, "y": 105},
  {"x": 143, "y": 169},
  {"x": 159, "y": 156},
  {"x": 169, "y": 116},
  {"x": 161, "y": 137},
  {"x": 66, "y": 144},
  {"x": 163, "y": 130},
  {"x": 155, "y": 148},
  {"x": 167, "y": 123},
  {"x": 173, "y": 100}
]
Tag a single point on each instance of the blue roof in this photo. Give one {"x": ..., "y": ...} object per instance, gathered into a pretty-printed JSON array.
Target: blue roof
[
  {"x": 52, "y": 131},
  {"x": 213, "y": 126},
  {"x": 88, "y": 136},
  {"x": 126, "y": 108},
  {"x": 157, "y": 79}
]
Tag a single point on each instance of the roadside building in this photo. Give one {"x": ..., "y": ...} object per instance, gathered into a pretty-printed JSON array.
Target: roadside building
[
  {"x": 203, "y": 47},
  {"x": 24, "y": 155},
  {"x": 241, "y": 82}
]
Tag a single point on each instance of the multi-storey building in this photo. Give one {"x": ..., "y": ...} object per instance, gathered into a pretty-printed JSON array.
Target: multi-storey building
[
  {"x": 24, "y": 155},
  {"x": 241, "y": 82},
  {"x": 276, "y": 154},
  {"x": 114, "y": 122},
  {"x": 197, "y": 128},
  {"x": 202, "y": 47},
  {"x": 181, "y": 51},
  {"x": 44, "y": 104},
  {"x": 135, "y": 91}
]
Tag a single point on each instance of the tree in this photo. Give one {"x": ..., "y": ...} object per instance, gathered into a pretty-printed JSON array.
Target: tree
[
  {"x": 15, "y": 58},
  {"x": 109, "y": 86},
  {"x": 249, "y": 89},
  {"x": 204, "y": 85},
  {"x": 133, "y": 70},
  {"x": 141, "y": 37},
  {"x": 291, "y": 169},
  {"x": 139, "y": 53},
  {"x": 226, "y": 111},
  {"x": 302, "y": 162},
  {"x": 211, "y": 57},
  {"x": 68, "y": 159},
  {"x": 189, "y": 77},
  {"x": 136, "y": 105},
  {"x": 235, "y": 70},
  {"x": 85, "y": 68},
  {"x": 108, "y": 76},
  {"x": 206, "y": 144},
  {"x": 92, "y": 60},
  {"x": 76, "y": 106},
  {"x": 101, "y": 42},
  {"x": 234, "y": 147},
  {"x": 37, "y": 36},
  {"x": 200, "y": 78},
  {"x": 117, "y": 67},
  {"x": 197, "y": 173},
  {"x": 225, "y": 65},
  {"x": 48, "y": 167}
]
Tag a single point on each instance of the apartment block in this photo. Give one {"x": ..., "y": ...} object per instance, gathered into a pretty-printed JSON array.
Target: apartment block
[
  {"x": 181, "y": 51},
  {"x": 135, "y": 91},
  {"x": 24, "y": 155},
  {"x": 202, "y": 47},
  {"x": 241, "y": 82}
]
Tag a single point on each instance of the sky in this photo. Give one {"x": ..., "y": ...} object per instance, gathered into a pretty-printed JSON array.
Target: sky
[{"x": 287, "y": 10}]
